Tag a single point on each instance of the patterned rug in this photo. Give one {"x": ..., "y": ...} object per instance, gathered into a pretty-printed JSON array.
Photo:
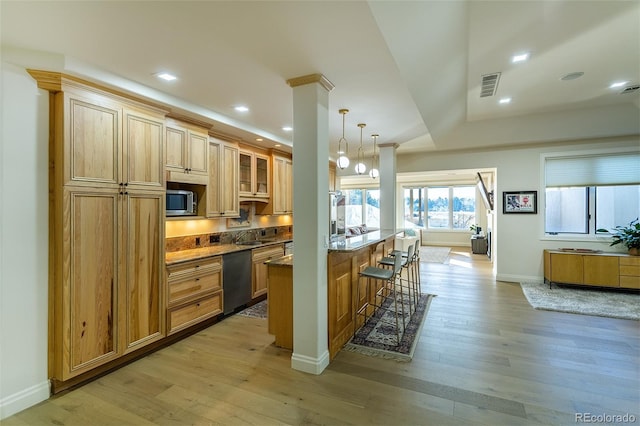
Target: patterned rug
[
  {"x": 603, "y": 303},
  {"x": 378, "y": 336},
  {"x": 259, "y": 310},
  {"x": 434, "y": 254}
]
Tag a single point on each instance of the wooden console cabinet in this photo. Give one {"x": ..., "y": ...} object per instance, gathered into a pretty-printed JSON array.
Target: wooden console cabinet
[{"x": 617, "y": 270}]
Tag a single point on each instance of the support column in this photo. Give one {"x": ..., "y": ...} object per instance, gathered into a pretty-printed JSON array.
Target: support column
[
  {"x": 311, "y": 219},
  {"x": 388, "y": 186}
]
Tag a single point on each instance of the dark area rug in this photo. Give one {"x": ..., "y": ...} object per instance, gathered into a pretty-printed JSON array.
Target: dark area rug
[
  {"x": 378, "y": 337},
  {"x": 259, "y": 310}
]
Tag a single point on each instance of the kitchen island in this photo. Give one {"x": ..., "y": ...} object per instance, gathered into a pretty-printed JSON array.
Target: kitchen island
[{"x": 346, "y": 258}]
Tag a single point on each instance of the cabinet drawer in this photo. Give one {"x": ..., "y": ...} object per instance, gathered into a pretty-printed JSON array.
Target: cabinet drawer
[
  {"x": 197, "y": 266},
  {"x": 630, "y": 261},
  {"x": 629, "y": 281},
  {"x": 631, "y": 270},
  {"x": 267, "y": 252},
  {"x": 195, "y": 312},
  {"x": 194, "y": 286}
]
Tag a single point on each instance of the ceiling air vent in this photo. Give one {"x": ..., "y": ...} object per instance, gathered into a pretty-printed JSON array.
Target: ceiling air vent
[
  {"x": 489, "y": 84},
  {"x": 630, "y": 89}
]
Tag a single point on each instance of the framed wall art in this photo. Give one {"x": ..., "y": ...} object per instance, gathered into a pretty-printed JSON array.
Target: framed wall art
[{"x": 520, "y": 202}]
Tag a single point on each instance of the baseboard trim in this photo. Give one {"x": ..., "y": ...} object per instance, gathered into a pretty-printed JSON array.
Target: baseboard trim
[
  {"x": 309, "y": 364},
  {"x": 24, "y": 399},
  {"x": 518, "y": 278}
]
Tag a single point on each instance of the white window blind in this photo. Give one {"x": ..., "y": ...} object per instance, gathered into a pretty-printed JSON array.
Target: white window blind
[{"x": 593, "y": 170}]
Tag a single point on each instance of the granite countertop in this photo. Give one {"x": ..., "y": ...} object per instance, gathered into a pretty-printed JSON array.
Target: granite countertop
[
  {"x": 215, "y": 250},
  {"x": 343, "y": 244}
]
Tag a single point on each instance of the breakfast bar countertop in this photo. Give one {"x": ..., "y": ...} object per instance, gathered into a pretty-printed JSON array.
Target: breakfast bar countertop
[
  {"x": 286, "y": 260},
  {"x": 344, "y": 244}
]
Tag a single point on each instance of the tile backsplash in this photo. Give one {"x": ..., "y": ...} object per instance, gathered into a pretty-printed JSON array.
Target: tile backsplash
[{"x": 188, "y": 242}]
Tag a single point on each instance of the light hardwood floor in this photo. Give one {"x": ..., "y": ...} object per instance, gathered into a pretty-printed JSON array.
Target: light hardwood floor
[{"x": 484, "y": 357}]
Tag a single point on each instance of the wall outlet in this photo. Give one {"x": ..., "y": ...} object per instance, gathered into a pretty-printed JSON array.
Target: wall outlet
[
  {"x": 214, "y": 239},
  {"x": 197, "y": 241},
  {"x": 263, "y": 232}
]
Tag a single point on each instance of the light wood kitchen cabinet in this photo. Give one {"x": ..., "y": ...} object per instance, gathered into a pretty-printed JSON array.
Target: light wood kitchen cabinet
[
  {"x": 255, "y": 178},
  {"x": 194, "y": 292},
  {"x": 223, "y": 199},
  {"x": 187, "y": 148},
  {"x": 106, "y": 184},
  {"x": 260, "y": 271},
  {"x": 281, "y": 201},
  {"x": 593, "y": 269}
]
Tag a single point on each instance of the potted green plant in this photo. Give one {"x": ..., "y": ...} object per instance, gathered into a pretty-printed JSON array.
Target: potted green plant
[{"x": 628, "y": 235}]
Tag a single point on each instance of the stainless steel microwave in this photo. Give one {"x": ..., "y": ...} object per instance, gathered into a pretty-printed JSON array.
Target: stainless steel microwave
[{"x": 181, "y": 203}]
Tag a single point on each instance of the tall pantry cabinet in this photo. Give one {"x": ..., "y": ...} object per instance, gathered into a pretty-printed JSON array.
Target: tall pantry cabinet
[{"x": 106, "y": 221}]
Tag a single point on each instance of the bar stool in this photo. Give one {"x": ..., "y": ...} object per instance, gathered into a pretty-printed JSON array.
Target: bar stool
[
  {"x": 407, "y": 263},
  {"x": 415, "y": 264},
  {"x": 389, "y": 289}
]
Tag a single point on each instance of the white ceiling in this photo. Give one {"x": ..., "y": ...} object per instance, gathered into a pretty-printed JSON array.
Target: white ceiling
[{"x": 410, "y": 70}]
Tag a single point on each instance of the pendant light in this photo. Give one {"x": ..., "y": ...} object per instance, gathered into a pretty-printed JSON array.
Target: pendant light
[
  {"x": 360, "y": 167},
  {"x": 343, "y": 160},
  {"x": 374, "y": 173}
]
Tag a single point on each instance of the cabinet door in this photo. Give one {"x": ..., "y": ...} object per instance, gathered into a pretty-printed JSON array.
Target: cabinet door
[
  {"x": 198, "y": 148},
  {"x": 245, "y": 176},
  {"x": 260, "y": 270},
  {"x": 222, "y": 191},
  {"x": 279, "y": 186},
  {"x": 176, "y": 148},
  {"x": 92, "y": 147},
  {"x": 566, "y": 268},
  {"x": 230, "y": 199},
  {"x": 142, "y": 304},
  {"x": 90, "y": 281},
  {"x": 288, "y": 189},
  {"x": 214, "y": 186},
  {"x": 261, "y": 176},
  {"x": 601, "y": 271},
  {"x": 143, "y": 150}
]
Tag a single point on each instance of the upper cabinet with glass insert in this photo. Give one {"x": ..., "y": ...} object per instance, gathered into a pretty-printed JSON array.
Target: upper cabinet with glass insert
[{"x": 255, "y": 175}]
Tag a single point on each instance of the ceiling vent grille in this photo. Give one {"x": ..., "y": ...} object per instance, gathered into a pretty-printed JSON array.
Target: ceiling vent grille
[
  {"x": 489, "y": 84},
  {"x": 630, "y": 89}
]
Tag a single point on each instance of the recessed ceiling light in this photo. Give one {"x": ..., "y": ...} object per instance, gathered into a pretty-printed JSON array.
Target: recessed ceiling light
[
  {"x": 166, "y": 76},
  {"x": 277, "y": 145},
  {"x": 520, "y": 58},
  {"x": 287, "y": 128},
  {"x": 241, "y": 108},
  {"x": 504, "y": 100},
  {"x": 617, "y": 84},
  {"x": 572, "y": 76},
  {"x": 259, "y": 139}
]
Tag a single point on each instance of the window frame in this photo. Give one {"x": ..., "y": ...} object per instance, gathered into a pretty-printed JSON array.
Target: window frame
[
  {"x": 570, "y": 237},
  {"x": 425, "y": 187}
]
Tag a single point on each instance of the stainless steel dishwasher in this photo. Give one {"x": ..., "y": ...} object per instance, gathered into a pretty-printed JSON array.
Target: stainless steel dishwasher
[{"x": 236, "y": 276}]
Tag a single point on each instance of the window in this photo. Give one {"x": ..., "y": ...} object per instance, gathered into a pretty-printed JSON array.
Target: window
[
  {"x": 589, "y": 192},
  {"x": 362, "y": 206},
  {"x": 447, "y": 207}
]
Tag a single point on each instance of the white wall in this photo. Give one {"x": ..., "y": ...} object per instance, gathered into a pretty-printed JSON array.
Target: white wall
[
  {"x": 519, "y": 238},
  {"x": 23, "y": 242}
]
